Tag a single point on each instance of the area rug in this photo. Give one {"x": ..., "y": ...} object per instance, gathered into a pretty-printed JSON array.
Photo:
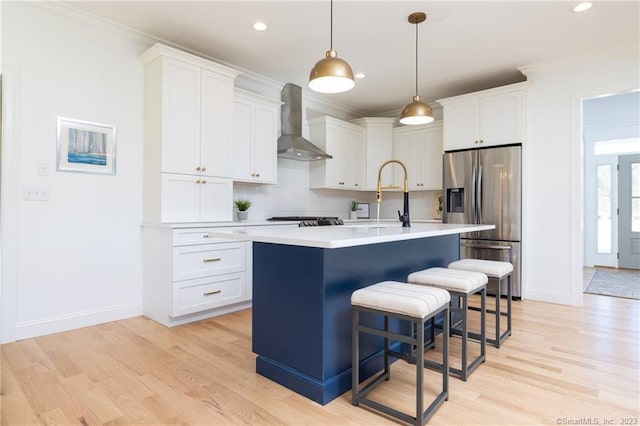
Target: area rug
[{"x": 618, "y": 283}]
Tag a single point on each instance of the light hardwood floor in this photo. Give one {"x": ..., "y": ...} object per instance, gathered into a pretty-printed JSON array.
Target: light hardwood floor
[{"x": 562, "y": 365}]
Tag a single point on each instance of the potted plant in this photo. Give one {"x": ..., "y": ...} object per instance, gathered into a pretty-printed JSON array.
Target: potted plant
[
  {"x": 242, "y": 204},
  {"x": 353, "y": 209}
]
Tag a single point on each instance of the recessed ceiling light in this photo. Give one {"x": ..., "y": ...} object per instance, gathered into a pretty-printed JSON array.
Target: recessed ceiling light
[
  {"x": 360, "y": 75},
  {"x": 260, "y": 26},
  {"x": 581, "y": 7}
]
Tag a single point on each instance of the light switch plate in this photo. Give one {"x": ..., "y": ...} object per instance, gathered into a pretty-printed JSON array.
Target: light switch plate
[
  {"x": 32, "y": 193},
  {"x": 43, "y": 169}
]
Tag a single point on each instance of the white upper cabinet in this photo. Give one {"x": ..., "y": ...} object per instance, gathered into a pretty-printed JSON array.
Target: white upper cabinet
[
  {"x": 216, "y": 128},
  {"x": 188, "y": 130},
  {"x": 419, "y": 148},
  {"x": 486, "y": 118},
  {"x": 187, "y": 198},
  {"x": 346, "y": 143},
  {"x": 378, "y": 149},
  {"x": 255, "y": 138}
]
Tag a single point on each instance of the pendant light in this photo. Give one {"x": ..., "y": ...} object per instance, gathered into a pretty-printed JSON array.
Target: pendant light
[
  {"x": 331, "y": 74},
  {"x": 416, "y": 112}
]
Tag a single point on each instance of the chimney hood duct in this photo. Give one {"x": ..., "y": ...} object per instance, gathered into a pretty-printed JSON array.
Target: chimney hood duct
[{"x": 291, "y": 144}]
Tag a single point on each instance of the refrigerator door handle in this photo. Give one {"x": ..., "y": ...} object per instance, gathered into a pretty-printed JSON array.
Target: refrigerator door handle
[
  {"x": 481, "y": 246},
  {"x": 479, "y": 195},
  {"x": 474, "y": 195}
]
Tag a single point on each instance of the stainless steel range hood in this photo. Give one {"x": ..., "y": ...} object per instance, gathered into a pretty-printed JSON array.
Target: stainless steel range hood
[{"x": 291, "y": 144}]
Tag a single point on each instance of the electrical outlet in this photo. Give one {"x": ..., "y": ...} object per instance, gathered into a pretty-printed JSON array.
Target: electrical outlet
[{"x": 35, "y": 193}]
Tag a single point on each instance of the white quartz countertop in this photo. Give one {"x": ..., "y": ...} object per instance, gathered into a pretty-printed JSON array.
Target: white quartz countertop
[{"x": 347, "y": 235}]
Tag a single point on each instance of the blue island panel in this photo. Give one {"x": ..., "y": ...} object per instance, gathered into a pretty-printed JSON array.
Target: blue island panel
[{"x": 302, "y": 309}]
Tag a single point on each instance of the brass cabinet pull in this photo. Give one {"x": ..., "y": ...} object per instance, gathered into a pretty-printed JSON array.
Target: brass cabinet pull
[
  {"x": 204, "y": 181},
  {"x": 209, "y": 293},
  {"x": 204, "y": 169},
  {"x": 215, "y": 259},
  {"x": 340, "y": 183},
  {"x": 198, "y": 168},
  {"x": 257, "y": 174},
  {"x": 197, "y": 180}
]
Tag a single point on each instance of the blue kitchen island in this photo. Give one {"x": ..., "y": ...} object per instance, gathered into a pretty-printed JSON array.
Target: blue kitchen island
[{"x": 302, "y": 284}]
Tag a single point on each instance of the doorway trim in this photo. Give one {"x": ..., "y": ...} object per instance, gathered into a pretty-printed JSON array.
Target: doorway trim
[
  {"x": 9, "y": 206},
  {"x": 577, "y": 186}
]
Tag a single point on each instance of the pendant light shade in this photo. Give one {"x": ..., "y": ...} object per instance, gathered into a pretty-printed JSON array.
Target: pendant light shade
[
  {"x": 331, "y": 74},
  {"x": 416, "y": 112}
]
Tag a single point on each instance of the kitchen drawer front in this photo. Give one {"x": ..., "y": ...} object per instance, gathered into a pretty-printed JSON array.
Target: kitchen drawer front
[
  {"x": 201, "y": 261},
  {"x": 207, "y": 293},
  {"x": 192, "y": 236}
]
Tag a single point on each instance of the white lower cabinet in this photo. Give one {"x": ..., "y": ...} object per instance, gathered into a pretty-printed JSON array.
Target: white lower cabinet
[
  {"x": 207, "y": 293},
  {"x": 190, "y": 276}
]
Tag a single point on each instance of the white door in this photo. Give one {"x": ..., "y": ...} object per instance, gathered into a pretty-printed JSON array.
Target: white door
[
  {"x": 629, "y": 211},
  {"x": 601, "y": 200}
]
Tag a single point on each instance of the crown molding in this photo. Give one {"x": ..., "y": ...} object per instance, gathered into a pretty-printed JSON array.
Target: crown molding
[{"x": 629, "y": 48}]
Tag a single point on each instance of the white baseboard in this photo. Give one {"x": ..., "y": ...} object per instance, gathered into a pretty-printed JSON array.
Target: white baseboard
[
  {"x": 561, "y": 299},
  {"x": 56, "y": 324}
]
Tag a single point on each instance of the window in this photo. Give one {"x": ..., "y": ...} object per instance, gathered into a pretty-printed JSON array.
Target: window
[
  {"x": 635, "y": 197},
  {"x": 603, "y": 176}
]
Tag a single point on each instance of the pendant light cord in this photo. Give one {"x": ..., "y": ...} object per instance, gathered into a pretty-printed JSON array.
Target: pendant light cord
[
  {"x": 331, "y": 28},
  {"x": 416, "y": 24}
]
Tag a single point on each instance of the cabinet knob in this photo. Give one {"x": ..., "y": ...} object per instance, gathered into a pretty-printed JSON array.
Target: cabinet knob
[
  {"x": 481, "y": 141},
  {"x": 204, "y": 169},
  {"x": 197, "y": 180},
  {"x": 204, "y": 181},
  {"x": 340, "y": 183},
  {"x": 198, "y": 168},
  {"x": 475, "y": 141},
  {"x": 257, "y": 174},
  {"x": 356, "y": 184},
  {"x": 253, "y": 175}
]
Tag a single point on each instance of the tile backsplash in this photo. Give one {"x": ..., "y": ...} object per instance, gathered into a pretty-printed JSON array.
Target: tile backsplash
[{"x": 292, "y": 197}]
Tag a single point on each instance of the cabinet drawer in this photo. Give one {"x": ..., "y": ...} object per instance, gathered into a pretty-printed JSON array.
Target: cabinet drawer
[
  {"x": 191, "y": 236},
  {"x": 207, "y": 293},
  {"x": 200, "y": 261}
]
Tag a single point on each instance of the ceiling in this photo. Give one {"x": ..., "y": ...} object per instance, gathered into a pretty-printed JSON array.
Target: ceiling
[{"x": 464, "y": 46}]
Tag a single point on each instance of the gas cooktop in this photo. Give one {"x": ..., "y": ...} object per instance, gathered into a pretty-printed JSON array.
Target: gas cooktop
[{"x": 308, "y": 220}]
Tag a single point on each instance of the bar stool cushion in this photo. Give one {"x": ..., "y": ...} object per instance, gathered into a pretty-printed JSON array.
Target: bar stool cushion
[
  {"x": 401, "y": 298},
  {"x": 492, "y": 268},
  {"x": 449, "y": 279}
]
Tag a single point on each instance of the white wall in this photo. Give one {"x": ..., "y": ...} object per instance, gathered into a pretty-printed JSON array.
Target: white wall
[
  {"x": 76, "y": 259},
  {"x": 553, "y": 159}
]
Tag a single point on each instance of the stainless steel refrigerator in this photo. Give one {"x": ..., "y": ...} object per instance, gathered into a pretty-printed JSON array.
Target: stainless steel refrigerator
[{"x": 484, "y": 186}]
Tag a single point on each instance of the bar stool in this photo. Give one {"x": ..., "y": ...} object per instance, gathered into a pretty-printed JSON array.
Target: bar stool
[
  {"x": 498, "y": 271},
  {"x": 461, "y": 284},
  {"x": 416, "y": 304}
]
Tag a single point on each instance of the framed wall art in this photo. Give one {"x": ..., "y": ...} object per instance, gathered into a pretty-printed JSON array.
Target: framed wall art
[{"x": 86, "y": 147}]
